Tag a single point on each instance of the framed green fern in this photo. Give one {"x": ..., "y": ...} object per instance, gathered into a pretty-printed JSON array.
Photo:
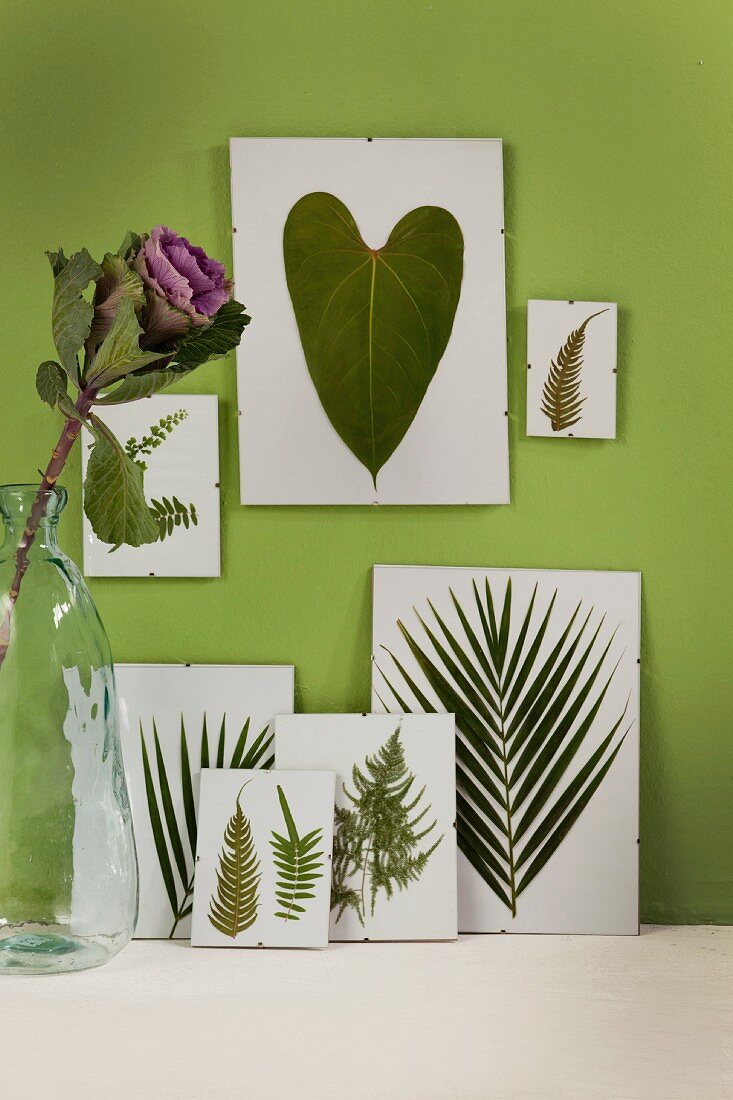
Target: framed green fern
[
  {"x": 175, "y": 846},
  {"x": 299, "y": 864},
  {"x": 394, "y": 853},
  {"x": 529, "y": 686}
]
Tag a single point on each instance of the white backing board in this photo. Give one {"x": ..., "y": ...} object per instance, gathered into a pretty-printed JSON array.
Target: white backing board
[
  {"x": 550, "y": 326},
  {"x": 456, "y": 450},
  {"x": 590, "y": 883},
  {"x": 424, "y": 908},
  {"x": 185, "y": 466},
  {"x": 264, "y": 900},
  {"x": 166, "y": 695}
]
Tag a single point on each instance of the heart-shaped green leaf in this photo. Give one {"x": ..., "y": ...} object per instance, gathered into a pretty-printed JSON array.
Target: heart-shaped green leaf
[{"x": 373, "y": 322}]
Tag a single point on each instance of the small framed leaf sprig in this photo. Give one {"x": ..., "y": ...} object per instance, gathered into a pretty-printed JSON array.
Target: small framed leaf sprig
[
  {"x": 571, "y": 369},
  {"x": 263, "y": 860},
  {"x": 174, "y": 442}
]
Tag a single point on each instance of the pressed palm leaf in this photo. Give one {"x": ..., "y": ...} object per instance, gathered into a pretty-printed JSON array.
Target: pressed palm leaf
[
  {"x": 522, "y": 718},
  {"x": 176, "y": 867},
  {"x": 234, "y": 906},
  {"x": 561, "y": 400},
  {"x": 299, "y": 864},
  {"x": 374, "y": 322}
]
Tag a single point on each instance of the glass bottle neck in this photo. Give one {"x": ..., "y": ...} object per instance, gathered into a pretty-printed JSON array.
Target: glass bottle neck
[
  {"x": 44, "y": 539},
  {"x": 31, "y": 517}
]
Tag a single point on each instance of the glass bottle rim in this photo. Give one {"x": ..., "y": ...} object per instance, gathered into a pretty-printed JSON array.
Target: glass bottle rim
[{"x": 16, "y": 502}]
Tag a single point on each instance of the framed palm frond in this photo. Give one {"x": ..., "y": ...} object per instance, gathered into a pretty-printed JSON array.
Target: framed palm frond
[
  {"x": 540, "y": 670},
  {"x": 263, "y": 868},
  {"x": 571, "y": 369},
  {"x": 176, "y": 720}
]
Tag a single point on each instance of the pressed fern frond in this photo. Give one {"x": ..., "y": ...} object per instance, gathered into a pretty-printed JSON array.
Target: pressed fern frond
[
  {"x": 521, "y": 720},
  {"x": 171, "y": 840},
  {"x": 561, "y": 400},
  {"x": 234, "y": 907},
  {"x": 169, "y": 514},
  {"x": 377, "y": 841},
  {"x": 297, "y": 862}
]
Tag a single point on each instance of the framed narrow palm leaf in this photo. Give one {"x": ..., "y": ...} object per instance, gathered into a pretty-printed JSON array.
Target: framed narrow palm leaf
[
  {"x": 541, "y": 669},
  {"x": 394, "y": 848},
  {"x": 571, "y": 369},
  {"x": 378, "y": 369},
  {"x": 263, "y": 864},
  {"x": 176, "y": 720}
]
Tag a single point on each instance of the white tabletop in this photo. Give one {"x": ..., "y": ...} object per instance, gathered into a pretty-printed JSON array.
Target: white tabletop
[{"x": 487, "y": 1018}]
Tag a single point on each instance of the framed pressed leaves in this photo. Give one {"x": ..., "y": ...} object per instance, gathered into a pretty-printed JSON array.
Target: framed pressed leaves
[
  {"x": 571, "y": 369},
  {"x": 377, "y": 371},
  {"x": 263, "y": 865},
  {"x": 175, "y": 439},
  {"x": 540, "y": 668},
  {"x": 174, "y": 721},
  {"x": 394, "y": 847}
]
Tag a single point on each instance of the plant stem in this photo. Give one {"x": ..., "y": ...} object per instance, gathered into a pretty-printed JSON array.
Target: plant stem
[
  {"x": 59, "y": 455},
  {"x": 178, "y": 917},
  {"x": 363, "y": 877},
  {"x": 510, "y": 837}
]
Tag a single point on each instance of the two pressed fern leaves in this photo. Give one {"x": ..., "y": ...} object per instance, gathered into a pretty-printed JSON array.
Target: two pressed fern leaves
[
  {"x": 297, "y": 861},
  {"x": 562, "y": 403},
  {"x": 523, "y": 713}
]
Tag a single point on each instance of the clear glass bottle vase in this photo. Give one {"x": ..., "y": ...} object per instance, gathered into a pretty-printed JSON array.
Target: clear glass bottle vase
[{"x": 68, "y": 870}]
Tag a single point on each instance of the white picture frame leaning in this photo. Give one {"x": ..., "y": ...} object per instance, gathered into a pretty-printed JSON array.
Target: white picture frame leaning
[
  {"x": 263, "y": 862},
  {"x": 176, "y": 436},
  {"x": 171, "y": 701},
  {"x": 388, "y": 768},
  {"x": 571, "y": 369},
  {"x": 435, "y": 641},
  {"x": 455, "y": 451}
]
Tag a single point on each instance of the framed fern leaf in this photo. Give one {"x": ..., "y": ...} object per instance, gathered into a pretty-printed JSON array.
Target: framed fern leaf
[
  {"x": 571, "y": 369},
  {"x": 394, "y": 837},
  {"x": 542, "y": 706},
  {"x": 234, "y": 906},
  {"x": 299, "y": 864},
  {"x": 267, "y": 884}
]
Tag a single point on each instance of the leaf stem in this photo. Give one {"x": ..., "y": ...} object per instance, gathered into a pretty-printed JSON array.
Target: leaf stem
[
  {"x": 59, "y": 455},
  {"x": 178, "y": 917},
  {"x": 363, "y": 877},
  {"x": 510, "y": 837}
]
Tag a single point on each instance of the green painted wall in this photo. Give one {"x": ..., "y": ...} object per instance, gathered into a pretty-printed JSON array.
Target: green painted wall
[{"x": 618, "y": 147}]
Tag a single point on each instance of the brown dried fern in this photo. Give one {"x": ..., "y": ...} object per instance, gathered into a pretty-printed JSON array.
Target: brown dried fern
[{"x": 561, "y": 400}]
